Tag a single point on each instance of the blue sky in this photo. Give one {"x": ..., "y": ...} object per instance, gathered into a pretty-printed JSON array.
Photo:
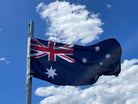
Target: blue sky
[{"x": 119, "y": 18}]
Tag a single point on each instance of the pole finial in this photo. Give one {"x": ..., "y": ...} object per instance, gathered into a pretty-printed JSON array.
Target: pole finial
[{"x": 31, "y": 29}]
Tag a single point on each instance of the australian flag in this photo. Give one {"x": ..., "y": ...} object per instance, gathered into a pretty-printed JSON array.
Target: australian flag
[{"x": 66, "y": 64}]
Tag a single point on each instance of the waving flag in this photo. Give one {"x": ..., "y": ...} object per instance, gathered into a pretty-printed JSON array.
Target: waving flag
[{"x": 75, "y": 65}]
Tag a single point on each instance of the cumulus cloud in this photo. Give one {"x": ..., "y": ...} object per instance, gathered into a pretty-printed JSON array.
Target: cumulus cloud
[
  {"x": 3, "y": 59},
  {"x": 108, "y": 90},
  {"x": 70, "y": 23}
]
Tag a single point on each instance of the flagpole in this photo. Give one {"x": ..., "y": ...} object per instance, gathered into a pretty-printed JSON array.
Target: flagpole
[{"x": 28, "y": 77}]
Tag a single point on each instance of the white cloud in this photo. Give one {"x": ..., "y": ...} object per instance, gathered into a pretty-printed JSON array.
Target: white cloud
[
  {"x": 3, "y": 59},
  {"x": 109, "y": 6},
  {"x": 108, "y": 90},
  {"x": 1, "y": 29},
  {"x": 70, "y": 23}
]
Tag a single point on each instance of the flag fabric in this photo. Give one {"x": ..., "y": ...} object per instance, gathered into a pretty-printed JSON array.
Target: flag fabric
[{"x": 66, "y": 64}]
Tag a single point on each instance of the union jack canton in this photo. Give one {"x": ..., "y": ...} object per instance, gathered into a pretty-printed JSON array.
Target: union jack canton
[{"x": 52, "y": 51}]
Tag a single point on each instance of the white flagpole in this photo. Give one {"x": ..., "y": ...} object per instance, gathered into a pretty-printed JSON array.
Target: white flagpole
[{"x": 28, "y": 77}]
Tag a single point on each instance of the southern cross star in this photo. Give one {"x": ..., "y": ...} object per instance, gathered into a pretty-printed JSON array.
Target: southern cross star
[
  {"x": 107, "y": 56},
  {"x": 51, "y": 72},
  {"x": 84, "y": 60},
  {"x": 97, "y": 48}
]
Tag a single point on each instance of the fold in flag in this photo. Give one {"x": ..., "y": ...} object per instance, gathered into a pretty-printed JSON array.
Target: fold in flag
[{"x": 75, "y": 65}]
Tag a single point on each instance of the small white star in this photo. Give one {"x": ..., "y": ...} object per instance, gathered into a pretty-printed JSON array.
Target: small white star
[
  {"x": 101, "y": 63},
  {"x": 84, "y": 60},
  {"x": 97, "y": 48},
  {"x": 96, "y": 77},
  {"x": 108, "y": 56},
  {"x": 51, "y": 72}
]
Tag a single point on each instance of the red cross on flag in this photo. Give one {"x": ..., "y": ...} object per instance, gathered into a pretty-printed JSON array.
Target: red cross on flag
[{"x": 52, "y": 51}]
